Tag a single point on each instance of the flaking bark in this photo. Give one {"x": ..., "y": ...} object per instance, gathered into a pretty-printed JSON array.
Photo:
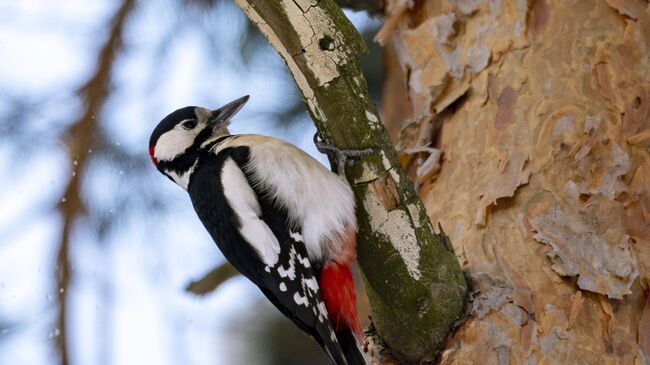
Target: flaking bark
[
  {"x": 542, "y": 110},
  {"x": 416, "y": 288}
]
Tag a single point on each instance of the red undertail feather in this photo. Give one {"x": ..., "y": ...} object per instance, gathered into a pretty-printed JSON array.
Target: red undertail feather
[{"x": 337, "y": 286}]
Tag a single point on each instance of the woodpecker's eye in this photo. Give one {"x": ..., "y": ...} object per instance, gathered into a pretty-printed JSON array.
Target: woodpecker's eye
[{"x": 189, "y": 124}]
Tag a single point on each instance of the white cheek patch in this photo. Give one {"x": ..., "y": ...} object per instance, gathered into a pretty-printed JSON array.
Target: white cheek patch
[{"x": 172, "y": 144}]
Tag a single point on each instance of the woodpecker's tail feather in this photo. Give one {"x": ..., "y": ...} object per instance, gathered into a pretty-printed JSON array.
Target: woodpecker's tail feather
[
  {"x": 351, "y": 348},
  {"x": 326, "y": 338},
  {"x": 345, "y": 350}
]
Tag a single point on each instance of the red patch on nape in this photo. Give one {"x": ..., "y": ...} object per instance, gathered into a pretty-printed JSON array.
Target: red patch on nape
[
  {"x": 151, "y": 152},
  {"x": 337, "y": 286}
]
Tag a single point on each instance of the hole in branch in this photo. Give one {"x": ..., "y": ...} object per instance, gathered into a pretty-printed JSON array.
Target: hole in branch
[{"x": 326, "y": 43}]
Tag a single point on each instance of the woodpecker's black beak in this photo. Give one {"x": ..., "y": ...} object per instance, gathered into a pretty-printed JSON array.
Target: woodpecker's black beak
[{"x": 223, "y": 114}]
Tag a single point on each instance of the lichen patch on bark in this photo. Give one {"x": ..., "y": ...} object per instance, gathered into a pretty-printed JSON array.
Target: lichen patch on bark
[
  {"x": 397, "y": 226},
  {"x": 271, "y": 36},
  {"x": 321, "y": 42}
]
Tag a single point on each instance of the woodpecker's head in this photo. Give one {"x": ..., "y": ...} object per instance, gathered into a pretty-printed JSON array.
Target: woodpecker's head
[{"x": 176, "y": 142}]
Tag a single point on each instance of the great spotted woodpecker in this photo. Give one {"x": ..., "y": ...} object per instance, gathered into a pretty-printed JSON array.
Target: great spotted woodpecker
[{"x": 280, "y": 217}]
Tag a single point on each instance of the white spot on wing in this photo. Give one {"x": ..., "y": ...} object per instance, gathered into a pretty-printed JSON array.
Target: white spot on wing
[
  {"x": 283, "y": 287},
  {"x": 296, "y": 236},
  {"x": 300, "y": 300},
  {"x": 312, "y": 284},
  {"x": 304, "y": 261},
  {"x": 289, "y": 272},
  {"x": 243, "y": 200},
  {"x": 322, "y": 309}
]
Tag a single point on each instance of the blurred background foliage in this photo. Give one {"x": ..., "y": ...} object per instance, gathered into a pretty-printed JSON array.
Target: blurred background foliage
[{"x": 96, "y": 247}]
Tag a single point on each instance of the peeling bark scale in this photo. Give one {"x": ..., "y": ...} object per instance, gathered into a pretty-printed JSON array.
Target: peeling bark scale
[
  {"x": 416, "y": 288},
  {"x": 545, "y": 171}
]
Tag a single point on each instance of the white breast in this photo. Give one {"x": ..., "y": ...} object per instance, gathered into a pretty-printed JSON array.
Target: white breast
[{"x": 315, "y": 198}]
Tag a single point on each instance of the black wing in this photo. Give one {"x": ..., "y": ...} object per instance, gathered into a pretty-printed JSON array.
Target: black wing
[{"x": 289, "y": 281}]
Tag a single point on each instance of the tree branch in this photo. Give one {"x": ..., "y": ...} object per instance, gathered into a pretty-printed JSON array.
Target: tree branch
[
  {"x": 416, "y": 287},
  {"x": 212, "y": 280},
  {"x": 80, "y": 140}
]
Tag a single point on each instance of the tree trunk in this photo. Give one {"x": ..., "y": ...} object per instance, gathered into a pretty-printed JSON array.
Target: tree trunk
[{"x": 544, "y": 179}]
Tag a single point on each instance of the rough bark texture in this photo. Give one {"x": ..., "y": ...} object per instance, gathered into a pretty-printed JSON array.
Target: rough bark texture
[
  {"x": 414, "y": 282},
  {"x": 544, "y": 181}
]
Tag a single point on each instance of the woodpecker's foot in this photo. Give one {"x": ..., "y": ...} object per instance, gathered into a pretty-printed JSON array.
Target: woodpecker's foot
[{"x": 341, "y": 156}]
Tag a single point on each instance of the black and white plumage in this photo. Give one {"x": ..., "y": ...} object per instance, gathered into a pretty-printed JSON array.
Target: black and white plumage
[{"x": 278, "y": 216}]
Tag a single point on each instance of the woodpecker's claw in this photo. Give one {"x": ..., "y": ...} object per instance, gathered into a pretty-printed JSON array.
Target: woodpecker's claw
[{"x": 341, "y": 156}]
